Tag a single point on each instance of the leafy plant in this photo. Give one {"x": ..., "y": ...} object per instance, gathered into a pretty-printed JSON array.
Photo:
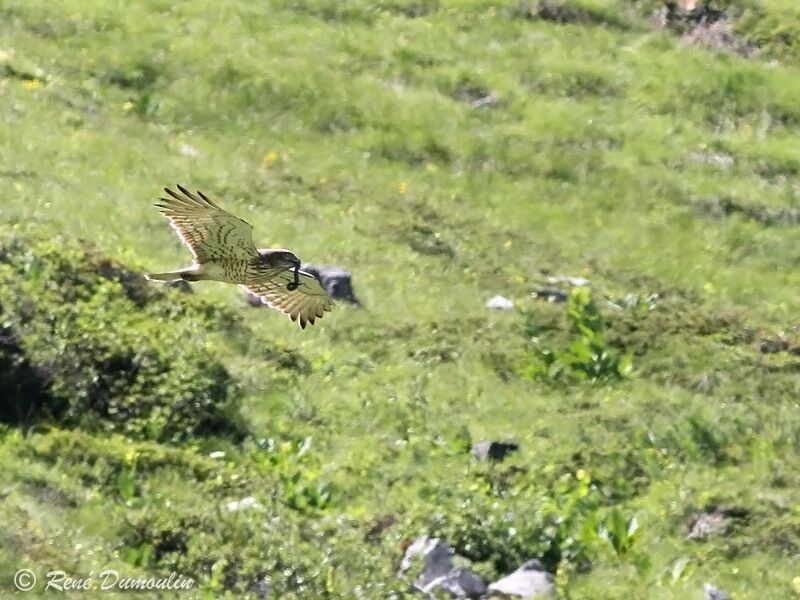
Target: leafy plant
[
  {"x": 298, "y": 473},
  {"x": 620, "y": 532},
  {"x": 126, "y": 482},
  {"x": 588, "y": 355}
]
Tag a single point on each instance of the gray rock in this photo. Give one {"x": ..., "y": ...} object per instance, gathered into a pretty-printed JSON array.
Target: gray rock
[
  {"x": 705, "y": 525},
  {"x": 494, "y": 451},
  {"x": 499, "y": 303},
  {"x": 490, "y": 100},
  {"x": 438, "y": 572},
  {"x": 253, "y": 300},
  {"x": 573, "y": 281},
  {"x": 773, "y": 345},
  {"x": 243, "y": 504},
  {"x": 529, "y": 581},
  {"x": 459, "y": 583},
  {"x": 181, "y": 285},
  {"x": 436, "y": 557},
  {"x": 713, "y": 593},
  {"x": 337, "y": 281},
  {"x": 551, "y": 294},
  {"x": 714, "y": 521}
]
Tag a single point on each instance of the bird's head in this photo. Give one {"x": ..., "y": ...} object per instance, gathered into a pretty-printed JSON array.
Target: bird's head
[{"x": 278, "y": 257}]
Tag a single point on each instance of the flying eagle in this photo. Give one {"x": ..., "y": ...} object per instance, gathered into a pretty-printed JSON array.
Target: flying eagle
[{"x": 223, "y": 250}]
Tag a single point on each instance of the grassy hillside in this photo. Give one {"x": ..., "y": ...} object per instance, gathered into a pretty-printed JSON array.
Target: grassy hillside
[{"x": 444, "y": 152}]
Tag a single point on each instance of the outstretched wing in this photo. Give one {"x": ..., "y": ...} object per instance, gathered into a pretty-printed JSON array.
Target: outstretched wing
[
  {"x": 304, "y": 304},
  {"x": 207, "y": 230}
]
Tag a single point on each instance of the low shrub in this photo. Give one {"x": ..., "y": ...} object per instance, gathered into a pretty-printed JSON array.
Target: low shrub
[{"x": 88, "y": 343}]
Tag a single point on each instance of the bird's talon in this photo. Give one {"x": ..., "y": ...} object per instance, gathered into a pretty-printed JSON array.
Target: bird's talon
[{"x": 293, "y": 285}]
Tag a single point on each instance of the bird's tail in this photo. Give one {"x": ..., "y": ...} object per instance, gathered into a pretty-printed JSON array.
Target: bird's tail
[{"x": 188, "y": 274}]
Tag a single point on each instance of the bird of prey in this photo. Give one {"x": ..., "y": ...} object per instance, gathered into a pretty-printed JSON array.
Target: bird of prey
[{"x": 223, "y": 250}]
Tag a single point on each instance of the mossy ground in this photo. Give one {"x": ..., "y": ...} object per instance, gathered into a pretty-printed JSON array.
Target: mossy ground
[{"x": 444, "y": 152}]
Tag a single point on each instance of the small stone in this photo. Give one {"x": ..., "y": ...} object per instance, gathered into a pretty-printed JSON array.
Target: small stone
[
  {"x": 337, "y": 282},
  {"x": 489, "y": 450},
  {"x": 460, "y": 583},
  {"x": 573, "y": 281},
  {"x": 551, "y": 294},
  {"x": 529, "y": 581},
  {"x": 254, "y": 300},
  {"x": 188, "y": 150},
  {"x": 713, "y": 593},
  {"x": 490, "y": 100},
  {"x": 436, "y": 557},
  {"x": 181, "y": 286},
  {"x": 499, "y": 303},
  {"x": 714, "y": 521},
  {"x": 771, "y": 346},
  {"x": 707, "y": 524},
  {"x": 244, "y": 503}
]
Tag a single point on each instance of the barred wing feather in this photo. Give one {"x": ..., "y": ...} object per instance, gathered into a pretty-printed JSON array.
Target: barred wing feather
[
  {"x": 304, "y": 304},
  {"x": 209, "y": 232}
]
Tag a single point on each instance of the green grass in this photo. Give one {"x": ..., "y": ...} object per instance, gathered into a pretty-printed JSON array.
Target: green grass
[{"x": 346, "y": 132}]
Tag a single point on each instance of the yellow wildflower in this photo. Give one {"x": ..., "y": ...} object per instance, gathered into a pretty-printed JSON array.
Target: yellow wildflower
[
  {"x": 270, "y": 157},
  {"x": 402, "y": 187},
  {"x": 31, "y": 84}
]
